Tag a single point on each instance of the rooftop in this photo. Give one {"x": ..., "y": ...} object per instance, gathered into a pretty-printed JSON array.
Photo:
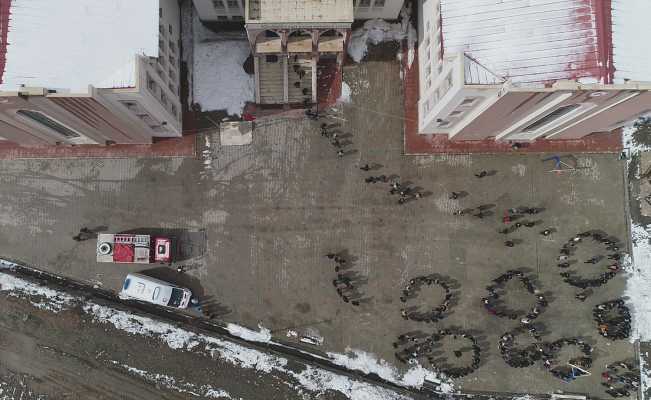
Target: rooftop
[
  {"x": 299, "y": 11},
  {"x": 70, "y": 44},
  {"x": 532, "y": 42}
]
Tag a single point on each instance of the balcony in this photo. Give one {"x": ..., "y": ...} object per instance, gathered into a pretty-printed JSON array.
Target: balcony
[
  {"x": 268, "y": 45},
  {"x": 331, "y": 44},
  {"x": 299, "y": 44}
]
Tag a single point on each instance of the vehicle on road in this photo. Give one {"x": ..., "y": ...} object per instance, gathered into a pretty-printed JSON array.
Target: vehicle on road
[
  {"x": 132, "y": 248},
  {"x": 145, "y": 288}
]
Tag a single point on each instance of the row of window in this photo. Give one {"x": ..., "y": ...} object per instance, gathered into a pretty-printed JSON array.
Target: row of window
[
  {"x": 367, "y": 3},
  {"x": 438, "y": 94},
  {"x": 160, "y": 95}
]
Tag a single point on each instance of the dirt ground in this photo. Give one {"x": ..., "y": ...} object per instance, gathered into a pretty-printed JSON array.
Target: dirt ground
[
  {"x": 256, "y": 222},
  {"x": 66, "y": 355}
]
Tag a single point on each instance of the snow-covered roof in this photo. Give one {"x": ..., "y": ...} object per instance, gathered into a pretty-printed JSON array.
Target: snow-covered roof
[
  {"x": 531, "y": 42},
  {"x": 283, "y": 11},
  {"x": 631, "y": 32},
  {"x": 70, "y": 44},
  {"x": 477, "y": 74}
]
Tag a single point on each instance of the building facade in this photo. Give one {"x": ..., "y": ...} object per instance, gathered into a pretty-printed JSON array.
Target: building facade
[
  {"x": 486, "y": 74},
  {"x": 95, "y": 88},
  {"x": 233, "y": 10},
  {"x": 290, "y": 42}
]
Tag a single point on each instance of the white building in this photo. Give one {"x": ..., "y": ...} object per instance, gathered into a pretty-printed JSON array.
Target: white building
[
  {"x": 521, "y": 72},
  {"x": 91, "y": 71},
  {"x": 233, "y": 10}
]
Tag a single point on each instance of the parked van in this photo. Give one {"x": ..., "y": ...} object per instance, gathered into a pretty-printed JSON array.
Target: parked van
[{"x": 152, "y": 290}]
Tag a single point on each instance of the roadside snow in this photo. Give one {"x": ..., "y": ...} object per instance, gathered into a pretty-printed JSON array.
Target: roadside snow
[
  {"x": 376, "y": 31},
  {"x": 368, "y": 363},
  {"x": 314, "y": 379},
  {"x": 264, "y": 335},
  {"x": 630, "y": 30},
  {"x": 52, "y": 300}
]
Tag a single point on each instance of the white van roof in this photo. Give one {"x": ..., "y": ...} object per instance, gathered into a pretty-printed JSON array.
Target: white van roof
[{"x": 146, "y": 288}]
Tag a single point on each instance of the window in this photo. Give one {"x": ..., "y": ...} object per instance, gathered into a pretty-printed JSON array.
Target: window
[
  {"x": 44, "y": 120},
  {"x": 172, "y": 46},
  {"x": 364, "y": 3},
  {"x": 218, "y": 4},
  {"x": 172, "y": 60},
  {"x": 151, "y": 83},
  {"x": 160, "y": 12},
  {"x": 271, "y": 58},
  {"x": 163, "y": 99},
  {"x": 557, "y": 113},
  {"x": 468, "y": 101},
  {"x": 172, "y": 75},
  {"x": 222, "y": 18},
  {"x": 161, "y": 30},
  {"x": 456, "y": 113},
  {"x": 378, "y": 4},
  {"x": 172, "y": 88},
  {"x": 170, "y": 28},
  {"x": 232, "y": 4},
  {"x": 173, "y": 110},
  {"x": 238, "y": 18}
]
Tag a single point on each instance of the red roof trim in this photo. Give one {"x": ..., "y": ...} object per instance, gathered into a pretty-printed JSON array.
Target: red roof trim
[{"x": 5, "y": 6}]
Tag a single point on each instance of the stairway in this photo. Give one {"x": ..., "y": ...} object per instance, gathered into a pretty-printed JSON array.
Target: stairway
[{"x": 271, "y": 81}]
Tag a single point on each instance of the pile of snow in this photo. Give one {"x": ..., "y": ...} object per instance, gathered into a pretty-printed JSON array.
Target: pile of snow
[
  {"x": 376, "y": 31},
  {"x": 630, "y": 30},
  {"x": 220, "y": 82},
  {"x": 638, "y": 282},
  {"x": 264, "y": 335},
  {"x": 369, "y": 364}
]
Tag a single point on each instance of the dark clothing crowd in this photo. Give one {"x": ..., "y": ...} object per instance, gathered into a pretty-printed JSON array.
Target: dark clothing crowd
[
  {"x": 411, "y": 291},
  {"x": 613, "y": 319}
]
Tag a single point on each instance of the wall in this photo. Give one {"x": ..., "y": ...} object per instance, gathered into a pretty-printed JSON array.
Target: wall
[
  {"x": 93, "y": 123},
  {"x": 230, "y": 10},
  {"x": 382, "y": 9}
]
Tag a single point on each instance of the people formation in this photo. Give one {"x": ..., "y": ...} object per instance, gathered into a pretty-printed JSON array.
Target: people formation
[
  {"x": 612, "y": 317},
  {"x": 492, "y": 302},
  {"x": 416, "y": 348},
  {"x": 611, "y": 260},
  {"x": 621, "y": 378},
  {"x": 346, "y": 282},
  {"x": 412, "y": 290}
]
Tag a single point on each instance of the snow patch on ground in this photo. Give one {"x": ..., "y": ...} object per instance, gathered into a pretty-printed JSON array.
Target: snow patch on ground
[
  {"x": 645, "y": 373},
  {"x": 314, "y": 379},
  {"x": 345, "y": 93},
  {"x": 264, "y": 335},
  {"x": 368, "y": 363},
  {"x": 181, "y": 387},
  {"x": 220, "y": 82},
  {"x": 638, "y": 282},
  {"x": 629, "y": 142},
  {"x": 52, "y": 300},
  {"x": 376, "y": 31}
]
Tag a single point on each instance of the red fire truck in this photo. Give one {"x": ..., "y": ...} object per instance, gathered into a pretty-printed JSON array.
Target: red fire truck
[{"x": 132, "y": 248}]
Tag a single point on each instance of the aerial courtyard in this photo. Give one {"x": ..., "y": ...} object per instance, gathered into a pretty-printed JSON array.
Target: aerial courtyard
[{"x": 258, "y": 221}]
